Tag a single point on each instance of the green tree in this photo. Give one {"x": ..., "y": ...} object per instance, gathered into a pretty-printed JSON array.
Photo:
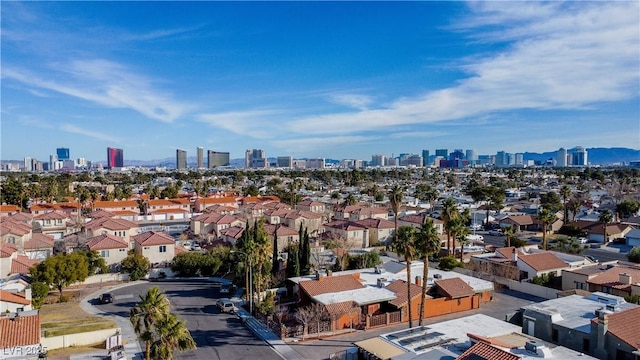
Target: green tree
[
  {"x": 606, "y": 217},
  {"x": 509, "y": 233},
  {"x": 136, "y": 265},
  {"x": 293, "y": 261},
  {"x": 350, "y": 200},
  {"x": 547, "y": 218},
  {"x": 304, "y": 251},
  {"x": 427, "y": 244},
  {"x": 152, "y": 307},
  {"x": 395, "y": 199},
  {"x": 95, "y": 261},
  {"x": 426, "y": 192},
  {"x": 251, "y": 190},
  {"x": 61, "y": 270},
  {"x": 39, "y": 292},
  {"x": 565, "y": 193},
  {"x": 170, "y": 334},
  {"x": 405, "y": 245},
  {"x": 551, "y": 201},
  {"x": 13, "y": 191},
  {"x": 459, "y": 232},
  {"x": 449, "y": 213},
  {"x": 627, "y": 208},
  {"x": 634, "y": 255}
]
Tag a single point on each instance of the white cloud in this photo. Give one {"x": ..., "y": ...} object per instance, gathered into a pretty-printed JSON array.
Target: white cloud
[
  {"x": 560, "y": 57},
  {"x": 355, "y": 101},
  {"x": 314, "y": 144},
  {"x": 416, "y": 134},
  {"x": 254, "y": 123},
  {"x": 33, "y": 122},
  {"x": 105, "y": 83},
  {"x": 88, "y": 133}
]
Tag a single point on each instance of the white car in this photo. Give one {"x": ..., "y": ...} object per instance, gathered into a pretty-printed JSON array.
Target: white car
[
  {"x": 583, "y": 240},
  {"x": 495, "y": 232},
  {"x": 477, "y": 237}
]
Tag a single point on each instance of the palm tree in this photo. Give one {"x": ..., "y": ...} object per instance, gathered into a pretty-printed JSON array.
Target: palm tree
[
  {"x": 565, "y": 192},
  {"x": 509, "y": 232},
  {"x": 395, "y": 199},
  {"x": 449, "y": 212},
  {"x": 171, "y": 334},
  {"x": 405, "y": 245},
  {"x": 547, "y": 218},
  {"x": 152, "y": 307},
  {"x": 427, "y": 244},
  {"x": 459, "y": 232},
  {"x": 605, "y": 218}
]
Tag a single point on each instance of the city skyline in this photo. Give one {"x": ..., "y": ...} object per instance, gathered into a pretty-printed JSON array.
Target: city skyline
[{"x": 312, "y": 80}]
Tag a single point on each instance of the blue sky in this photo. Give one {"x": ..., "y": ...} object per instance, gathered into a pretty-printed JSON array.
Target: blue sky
[{"x": 322, "y": 79}]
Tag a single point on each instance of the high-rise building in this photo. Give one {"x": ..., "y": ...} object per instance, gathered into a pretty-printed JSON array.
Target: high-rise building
[
  {"x": 472, "y": 156},
  {"x": 315, "y": 163},
  {"x": 200, "y": 157},
  {"x": 255, "y": 159},
  {"x": 519, "y": 159},
  {"x": 378, "y": 160},
  {"x": 501, "y": 159},
  {"x": 579, "y": 156},
  {"x": 53, "y": 159},
  {"x": 442, "y": 152},
  {"x": 27, "y": 163},
  {"x": 425, "y": 157},
  {"x": 285, "y": 162},
  {"x": 63, "y": 153},
  {"x": 181, "y": 159},
  {"x": 414, "y": 160},
  {"x": 561, "y": 158},
  {"x": 217, "y": 158},
  {"x": 115, "y": 158}
]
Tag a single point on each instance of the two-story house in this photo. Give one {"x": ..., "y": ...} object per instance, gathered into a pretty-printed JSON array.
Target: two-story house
[
  {"x": 39, "y": 247},
  {"x": 380, "y": 230},
  {"x": 158, "y": 247},
  {"x": 54, "y": 223},
  {"x": 124, "y": 209},
  {"x": 311, "y": 205},
  {"x": 168, "y": 209},
  {"x": 113, "y": 249},
  {"x": 416, "y": 221},
  {"x": 351, "y": 235},
  {"x": 122, "y": 228},
  {"x": 213, "y": 223}
]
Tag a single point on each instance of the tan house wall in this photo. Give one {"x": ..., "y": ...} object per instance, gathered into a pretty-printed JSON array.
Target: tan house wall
[{"x": 154, "y": 255}]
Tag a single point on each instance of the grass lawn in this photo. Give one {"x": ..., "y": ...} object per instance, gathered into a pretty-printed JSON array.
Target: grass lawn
[{"x": 69, "y": 318}]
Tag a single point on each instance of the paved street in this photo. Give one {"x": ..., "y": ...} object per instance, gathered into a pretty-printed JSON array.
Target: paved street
[{"x": 217, "y": 335}]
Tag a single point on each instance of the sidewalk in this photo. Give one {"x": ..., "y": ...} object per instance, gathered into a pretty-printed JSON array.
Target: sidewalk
[
  {"x": 263, "y": 332},
  {"x": 129, "y": 337}
]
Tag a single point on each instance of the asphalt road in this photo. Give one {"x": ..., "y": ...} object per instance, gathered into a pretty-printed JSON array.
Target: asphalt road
[
  {"x": 217, "y": 335},
  {"x": 606, "y": 255}
]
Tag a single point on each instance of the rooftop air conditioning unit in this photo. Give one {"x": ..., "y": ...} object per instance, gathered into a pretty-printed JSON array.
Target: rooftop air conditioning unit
[
  {"x": 380, "y": 282},
  {"x": 437, "y": 276}
]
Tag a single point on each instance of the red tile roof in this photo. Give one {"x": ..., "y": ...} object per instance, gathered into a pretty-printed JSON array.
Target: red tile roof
[
  {"x": 6, "y": 250},
  {"x": 344, "y": 225},
  {"x": 106, "y": 242},
  {"x": 485, "y": 351},
  {"x": 233, "y": 232},
  {"x": 329, "y": 284},
  {"x": 345, "y": 307},
  {"x": 105, "y": 205},
  {"x": 400, "y": 288},
  {"x": 39, "y": 241},
  {"x": 52, "y": 215},
  {"x": 253, "y": 199},
  {"x": 21, "y": 264},
  {"x": 25, "y": 330},
  {"x": 376, "y": 223},
  {"x": 543, "y": 261},
  {"x": 624, "y": 325},
  {"x": 454, "y": 287},
  {"x": 110, "y": 224},
  {"x": 11, "y": 297},
  {"x": 97, "y": 214},
  {"x": 9, "y": 208},
  {"x": 24, "y": 217},
  {"x": 151, "y": 238},
  {"x": 10, "y": 226},
  {"x": 611, "y": 277},
  {"x": 283, "y": 230},
  {"x": 169, "y": 202},
  {"x": 169, "y": 211}
]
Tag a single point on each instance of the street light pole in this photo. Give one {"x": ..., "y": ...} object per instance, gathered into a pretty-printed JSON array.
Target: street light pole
[{"x": 250, "y": 278}]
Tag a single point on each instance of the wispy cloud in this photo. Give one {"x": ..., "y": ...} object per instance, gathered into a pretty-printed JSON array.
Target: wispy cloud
[
  {"x": 355, "y": 101},
  {"x": 559, "y": 57},
  {"x": 33, "y": 122},
  {"x": 313, "y": 144},
  {"x": 417, "y": 134},
  {"x": 106, "y": 83},
  {"x": 88, "y": 133},
  {"x": 254, "y": 123},
  {"x": 158, "y": 34}
]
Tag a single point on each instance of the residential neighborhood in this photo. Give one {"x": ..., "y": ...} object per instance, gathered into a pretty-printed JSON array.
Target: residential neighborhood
[{"x": 323, "y": 259}]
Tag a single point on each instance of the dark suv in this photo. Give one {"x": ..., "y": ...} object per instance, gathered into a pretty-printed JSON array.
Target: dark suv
[{"x": 106, "y": 298}]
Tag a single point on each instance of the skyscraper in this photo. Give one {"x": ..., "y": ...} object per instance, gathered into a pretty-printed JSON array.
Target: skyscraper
[
  {"x": 442, "y": 152},
  {"x": 378, "y": 160},
  {"x": 115, "y": 158},
  {"x": 425, "y": 157},
  {"x": 63, "y": 154},
  {"x": 472, "y": 156},
  {"x": 181, "y": 159},
  {"x": 579, "y": 156},
  {"x": 285, "y": 162},
  {"x": 255, "y": 159},
  {"x": 216, "y": 158},
  {"x": 561, "y": 158},
  {"x": 200, "y": 157}
]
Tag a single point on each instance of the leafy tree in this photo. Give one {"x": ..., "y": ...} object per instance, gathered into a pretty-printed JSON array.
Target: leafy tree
[
  {"x": 634, "y": 255},
  {"x": 350, "y": 200},
  {"x": 268, "y": 305},
  {"x": 251, "y": 190},
  {"x": 546, "y": 218},
  {"x": 136, "y": 265},
  {"x": 61, "y": 270},
  {"x": 12, "y": 191},
  {"x": 448, "y": 263},
  {"x": 427, "y": 244},
  {"x": 627, "y": 208},
  {"x": 305, "y": 251},
  {"x": 275, "y": 263},
  {"x": 606, "y": 217},
  {"x": 405, "y": 245},
  {"x": 95, "y": 261},
  {"x": 515, "y": 242},
  {"x": 551, "y": 201},
  {"x": 293, "y": 261},
  {"x": 171, "y": 334},
  {"x": 39, "y": 292},
  {"x": 364, "y": 261},
  {"x": 196, "y": 263},
  {"x": 426, "y": 192},
  {"x": 395, "y": 199}
]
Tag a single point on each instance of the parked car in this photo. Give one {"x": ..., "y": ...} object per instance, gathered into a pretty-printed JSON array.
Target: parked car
[
  {"x": 495, "y": 232},
  {"x": 475, "y": 226},
  {"x": 225, "y": 288},
  {"x": 475, "y": 238},
  {"x": 106, "y": 298},
  {"x": 228, "y": 307},
  {"x": 221, "y": 301}
]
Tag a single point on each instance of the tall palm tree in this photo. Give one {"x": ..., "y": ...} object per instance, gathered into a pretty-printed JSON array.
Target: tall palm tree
[
  {"x": 547, "y": 218},
  {"x": 427, "y": 244},
  {"x": 152, "y": 307},
  {"x": 459, "y": 233},
  {"x": 171, "y": 334},
  {"x": 449, "y": 212},
  {"x": 509, "y": 232},
  {"x": 395, "y": 199},
  {"x": 405, "y": 245},
  {"x": 605, "y": 218},
  {"x": 565, "y": 192}
]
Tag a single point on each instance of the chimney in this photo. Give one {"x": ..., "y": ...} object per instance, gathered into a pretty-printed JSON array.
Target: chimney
[
  {"x": 515, "y": 255},
  {"x": 27, "y": 293},
  {"x": 625, "y": 278},
  {"x": 419, "y": 280},
  {"x": 602, "y": 328}
]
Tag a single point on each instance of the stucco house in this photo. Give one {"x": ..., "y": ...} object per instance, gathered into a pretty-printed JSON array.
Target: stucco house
[
  {"x": 122, "y": 228},
  {"x": 113, "y": 249},
  {"x": 158, "y": 247}
]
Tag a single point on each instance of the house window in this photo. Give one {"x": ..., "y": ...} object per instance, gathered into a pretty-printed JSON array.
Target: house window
[
  {"x": 163, "y": 248},
  {"x": 581, "y": 286},
  {"x": 585, "y": 346},
  {"x": 620, "y": 355},
  {"x": 554, "y": 335},
  {"x": 104, "y": 253},
  {"x": 12, "y": 240}
]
